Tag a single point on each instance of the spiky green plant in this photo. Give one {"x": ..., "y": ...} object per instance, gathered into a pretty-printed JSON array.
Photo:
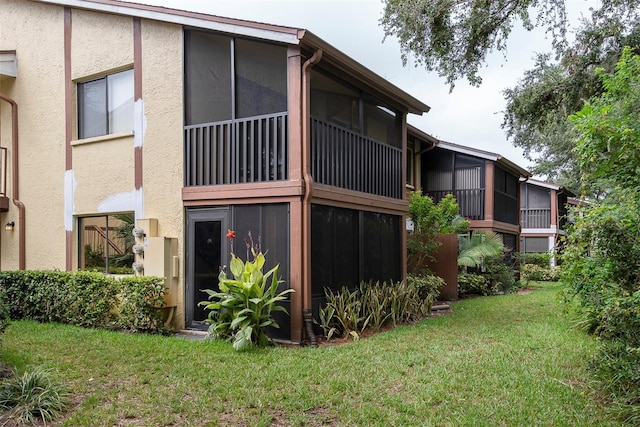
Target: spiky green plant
[{"x": 32, "y": 397}]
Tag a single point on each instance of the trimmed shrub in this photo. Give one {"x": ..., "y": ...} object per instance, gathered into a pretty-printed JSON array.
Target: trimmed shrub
[
  {"x": 540, "y": 259},
  {"x": 85, "y": 299},
  {"x": 140, "y": 299},
  {"x": 533, "y": 272},
  {"x": 473, "y": 284}
]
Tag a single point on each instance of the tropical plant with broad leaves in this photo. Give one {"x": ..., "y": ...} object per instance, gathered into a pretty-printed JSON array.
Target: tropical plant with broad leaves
[
  {"x": 477, "y": 247},
  {"x": 242, "y": 309}
]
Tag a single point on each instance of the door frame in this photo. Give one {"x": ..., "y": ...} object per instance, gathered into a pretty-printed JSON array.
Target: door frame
[{"x": 193, "y": 216}]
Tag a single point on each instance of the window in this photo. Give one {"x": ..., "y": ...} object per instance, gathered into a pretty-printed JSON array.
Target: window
[
  {"x": 105, "y": 243},
  {"x": 105, "y": 105},
  {"x": 536, "y": 244}
]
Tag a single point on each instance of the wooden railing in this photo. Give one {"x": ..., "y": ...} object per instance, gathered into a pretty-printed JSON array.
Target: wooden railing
[
  {"x": 253, "y": 149},
  {"x": 470, "y": 202},
  {"x": 535, "y": 218},
  {"x": 345, "y": 159}
]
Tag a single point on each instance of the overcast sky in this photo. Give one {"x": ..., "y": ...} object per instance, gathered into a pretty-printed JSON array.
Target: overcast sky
[{"x": 467, "y": 116}]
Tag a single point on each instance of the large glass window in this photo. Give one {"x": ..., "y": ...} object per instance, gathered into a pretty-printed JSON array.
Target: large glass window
[
  {"x": 228, "y": 78},
  {"x": 105, "y": 105},
  {"x": 105, "y": 243}
]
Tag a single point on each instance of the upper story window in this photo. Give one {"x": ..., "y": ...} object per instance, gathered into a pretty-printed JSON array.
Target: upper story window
[
  {"x": 228, "y": 78},
  {"x": 105, "y": 105}
]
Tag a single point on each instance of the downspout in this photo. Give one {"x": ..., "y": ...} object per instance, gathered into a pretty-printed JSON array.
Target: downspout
[
  {"x": 306, "y": 201},
  {"x": 15, "y": 183}
]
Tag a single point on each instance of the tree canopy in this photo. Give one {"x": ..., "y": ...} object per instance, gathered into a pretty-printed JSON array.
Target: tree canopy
[
  {"x": 537, "y": 109},
  {"x": 453, "y": 38}
]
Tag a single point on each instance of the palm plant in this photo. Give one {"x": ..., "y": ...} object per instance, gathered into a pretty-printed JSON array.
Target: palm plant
[{"x": 477, "y": 247}]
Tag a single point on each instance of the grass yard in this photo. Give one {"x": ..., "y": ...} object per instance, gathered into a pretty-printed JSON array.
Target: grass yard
[{"x": 495, "y": 361}]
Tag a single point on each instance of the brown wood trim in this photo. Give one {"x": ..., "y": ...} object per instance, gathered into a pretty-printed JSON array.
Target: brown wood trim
[
  {"x": 497, "y": 226},
  {"x": 295, "y": 270},
  {"x": 137, "y": 94},
  {"x": 256, "y": 191},
  {"x": 120, "y": 9},
  {"x": 68, "y": 89},
  {"x": 489, "y": 188},
  {"x": 555, "y": 215},
  {"x": 294, "y": 84},
  {"x": 69, "y": 119},
  {"x": 339, "y": 197},
  {"x": 137, "y": 59}
]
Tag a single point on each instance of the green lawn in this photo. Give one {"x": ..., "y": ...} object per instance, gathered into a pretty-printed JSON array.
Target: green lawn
[{"x": 495, "y": 361}]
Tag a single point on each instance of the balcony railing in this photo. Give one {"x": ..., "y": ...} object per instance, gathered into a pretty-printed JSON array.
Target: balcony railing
[
  {"x": 253, "y": 149},
  {"x": 470, "y": 202},
  {"x": 535, "y": 218},
  {"x": 345, "y": 159}
]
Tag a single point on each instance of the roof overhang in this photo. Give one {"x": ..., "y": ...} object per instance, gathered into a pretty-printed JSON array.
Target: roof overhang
[
  {"x": 182, "y": 17},
  {"x": 551, "y": 186},
  {"x": 275, "y": 33},
  {"x": 487, "y": 155}
]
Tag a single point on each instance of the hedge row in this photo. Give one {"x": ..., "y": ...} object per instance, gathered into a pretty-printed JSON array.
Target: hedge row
[{"x": 87, "y": 299}]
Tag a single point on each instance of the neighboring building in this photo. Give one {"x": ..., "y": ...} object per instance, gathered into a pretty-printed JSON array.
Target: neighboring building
[
  {"x": 486, "y": 185},
  {"x": 188, "y": 125},
  {"x": 543, "y": 212}
]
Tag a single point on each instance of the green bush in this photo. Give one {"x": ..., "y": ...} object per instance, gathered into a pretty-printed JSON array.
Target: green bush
[
  {"x": 83, "y": 298},
  {"x": 474, "y": 284},
  {"x": 540, "y": 259},
  {"x": 4, "y": 313},
  {"x": 533, "y": 272},
  {"x": 348, "y": 312},
  {"x": 140, "y": 299},
  {"x": 501, "y": 275}
]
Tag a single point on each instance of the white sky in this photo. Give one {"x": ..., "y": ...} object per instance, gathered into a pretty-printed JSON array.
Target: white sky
[{"x": 468, "y": 116}]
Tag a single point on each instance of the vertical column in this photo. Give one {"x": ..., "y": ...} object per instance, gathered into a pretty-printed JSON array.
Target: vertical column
[
  {"x": 401, "y": 123},
  {"x": 489, "y": 188},
  {"x": 296, "y": 230},
  {"x": 69, "y": 116},
  {"x": 137, "y": 97}
]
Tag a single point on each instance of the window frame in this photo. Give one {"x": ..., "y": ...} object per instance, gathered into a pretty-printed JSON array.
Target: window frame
[
  {"x": 111, "y": 126},
  {"x": 97, "y": 221}
]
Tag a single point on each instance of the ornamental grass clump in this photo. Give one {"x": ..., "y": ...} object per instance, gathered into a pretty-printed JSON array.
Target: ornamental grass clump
[
  {"x": 32, "y": 398},
  {"x": 241, "y": 309}
]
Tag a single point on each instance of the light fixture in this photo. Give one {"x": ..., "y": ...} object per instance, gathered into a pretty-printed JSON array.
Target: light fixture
[{"x": 9, "y": 226}]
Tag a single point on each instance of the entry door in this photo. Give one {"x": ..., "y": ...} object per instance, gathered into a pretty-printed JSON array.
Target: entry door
[{"x": 207, "y": 251}]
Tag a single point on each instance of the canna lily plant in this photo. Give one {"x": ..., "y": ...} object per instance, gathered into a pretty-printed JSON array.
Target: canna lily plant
[{"x": 241, "y": 310}]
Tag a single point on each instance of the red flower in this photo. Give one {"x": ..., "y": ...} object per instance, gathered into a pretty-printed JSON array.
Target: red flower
[{"x": 231, "y": 234}]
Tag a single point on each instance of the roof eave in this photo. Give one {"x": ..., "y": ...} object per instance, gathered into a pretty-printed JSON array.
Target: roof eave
[
  {"x": 349, "y": 65},
  {"x": 258, "y": 30}
]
